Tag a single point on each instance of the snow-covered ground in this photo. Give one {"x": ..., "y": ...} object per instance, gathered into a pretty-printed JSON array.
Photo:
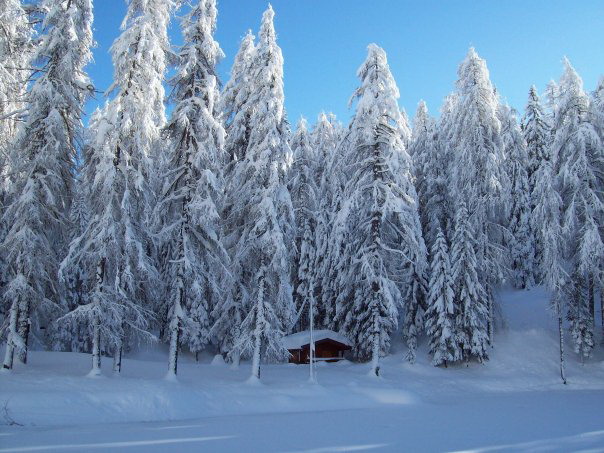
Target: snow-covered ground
[{"x": 515, "y": 402}]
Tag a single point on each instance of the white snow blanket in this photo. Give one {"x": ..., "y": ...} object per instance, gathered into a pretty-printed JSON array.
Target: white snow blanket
[{"x": 515, "y": 402}]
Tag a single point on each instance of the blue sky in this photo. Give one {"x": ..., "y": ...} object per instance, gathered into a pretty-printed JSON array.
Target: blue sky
[{"x": 324, "y": 42}]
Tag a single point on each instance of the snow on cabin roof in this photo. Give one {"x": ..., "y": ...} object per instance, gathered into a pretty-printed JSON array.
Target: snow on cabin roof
[{"x": 299, "y": 339}]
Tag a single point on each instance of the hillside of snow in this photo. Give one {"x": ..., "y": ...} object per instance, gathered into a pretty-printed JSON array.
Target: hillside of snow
[{"x": 515, "y": 402}]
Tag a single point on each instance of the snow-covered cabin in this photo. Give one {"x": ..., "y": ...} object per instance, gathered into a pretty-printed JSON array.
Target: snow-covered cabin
[{"x": 329, "y": 346}]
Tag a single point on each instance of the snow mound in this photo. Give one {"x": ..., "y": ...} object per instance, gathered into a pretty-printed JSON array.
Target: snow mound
[{"x": 218, "y": 360}]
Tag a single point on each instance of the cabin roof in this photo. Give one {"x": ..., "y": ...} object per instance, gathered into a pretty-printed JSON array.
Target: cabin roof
[{"x": 301, "y": 339}]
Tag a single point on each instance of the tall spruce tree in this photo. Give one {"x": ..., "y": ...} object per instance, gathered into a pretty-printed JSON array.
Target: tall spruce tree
[
  {"x": 324, "y": 142},
  {"x": 521, "y": 241},
  {"x": 478, "y": 176},
  {"x": 441, "y": 313},
  {"x": 37, "y": 217},
  {"x": 304, "y": 194},
  {"x": 15, "y": 52},
  {"x": 597, "y": 119},
  {"x": 259, "y": 212},
  {"x": 430, "y": 171},
  {"x": 121, "y": 277},
  {"x": 537, "y": 135},
  {"x": 576, "y": 148},
  {"x": 383, "y": 236},
  {"x": 545, "y": 221},
  {"x": 471, "y": 307},
  {"x": 442, "y": 201},
  {"x": 236, "y": 111},
  {"x": 536, "y": 132},
  {"x": 235, "y": 100},
  {"x": 193, "y": 260}
]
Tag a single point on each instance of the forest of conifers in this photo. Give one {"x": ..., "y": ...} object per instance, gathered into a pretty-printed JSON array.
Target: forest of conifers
[{"x": 202, "y": 219}]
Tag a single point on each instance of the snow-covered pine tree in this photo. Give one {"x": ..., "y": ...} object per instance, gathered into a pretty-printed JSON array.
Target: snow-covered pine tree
[
  {"x": 75, "y": 337},
  {"x": 37, "y": 217},
  {"x": 521, "y": 241},
  {"x": 121, "y": 278},
  {"x": 597, "y": 119},
  {"x": 192, "y": 258},
  {"x": 15, "y": 50},
  {"x": 597, "y": 108},
  {"x": 404, "y": 128},
  {"x": 259, "y": 214},
  {"x": 478, "y": 176},
  {"x": 236, "y": 111},
  {"x": 471, "y": 306},
  {"x": 576, "y": 149},
  {"x": 330, "y": 244},
  {"x": 440, "y": 315},
  {"x": 552, "y": 91},
  {"x": 235, "y": 97},
  {"x": 380, "y": 219},
  {"x": 428, "y": 171},
  {"x": 537, "y": 135},
  {"x": 420, "y": 141},
  {"x": 442, "y": 200},
  {"x": 545, "y": 221},
  {"x": 143, "y": 48},
  {"x": 324, "y": 141},
  {"x": 304, "y": 194}
]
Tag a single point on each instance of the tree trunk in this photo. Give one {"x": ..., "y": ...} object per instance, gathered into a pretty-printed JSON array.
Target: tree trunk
[
  {"x": 561, "y": 339},
  {"x": 236, "y": 359},
  {"x": 96, "y": 348},
  {"x": 592, "y": 299},
  {"x": 96, "y": 323},
  {"x": 256, "y": 357},
  {"x": 236, "y": 353},
  {"x": 24, "y": 327},
  {"x": 602, "y": 311},
  {"x": 375, "y": 347},
  {"x": 491, "y": 322},
  {"x": 9, "y": 354},
  {"x": 173, "y": 352},
  {"x": 117, "y": 358}
]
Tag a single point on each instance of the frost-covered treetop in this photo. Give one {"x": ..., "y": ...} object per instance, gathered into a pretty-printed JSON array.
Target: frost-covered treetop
[
  {"x": 269, "y": 71},
  {"x": 268, "y": 137},
  {"x": 324, "y": 134},
  {"x": 199, "y": 26},
  {"x": 473, "y": 81},
  {"x": 376, "y": 76},
  {"x": 377, "y": 95},
  {"x": 16, "y": 30},
  {"x": 476, "y": 110},
  {"x": 199, "y": 56},
  {"x": 232, "y": 95},
  {"x": 421, "y": 122},
  {"x": 570, "y": 95},
  {"x": 138, "y": 10},
  {"x": 473, "y": 69},
  {"x": 245, "y": 53},
  {"x": 301, "y": 129},
  {"x": 139, "y": 57}
]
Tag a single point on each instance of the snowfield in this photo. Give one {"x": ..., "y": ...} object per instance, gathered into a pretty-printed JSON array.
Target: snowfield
[{"x": 515, "y": 402}]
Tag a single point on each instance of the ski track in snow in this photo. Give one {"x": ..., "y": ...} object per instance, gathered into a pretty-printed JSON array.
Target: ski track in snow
[{"x": 515, "y": 402}]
